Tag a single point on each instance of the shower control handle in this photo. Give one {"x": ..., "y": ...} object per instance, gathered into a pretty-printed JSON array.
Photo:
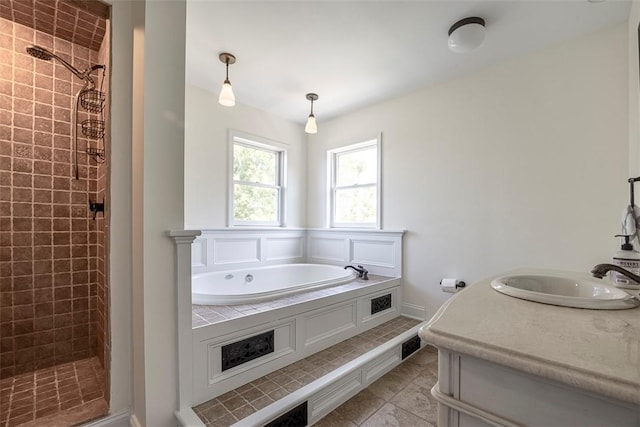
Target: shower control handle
[{"x": 96, "y": 207}]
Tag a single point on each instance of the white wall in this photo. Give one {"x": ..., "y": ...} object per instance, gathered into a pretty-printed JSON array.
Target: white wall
[
  {"x": 634, "y": 91},
  {"x": 147, "y": 200},
  {"x": 157, "y": 205},
  {"x": 206, "y": 157},
  {"x": 120, "y": 257},
  {"x": 520, "y": 164},
  {"x": 137, "y": 216}
]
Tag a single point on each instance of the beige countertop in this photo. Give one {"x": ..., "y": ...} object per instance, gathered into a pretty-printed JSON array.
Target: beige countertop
[{"x": 595, "y": 350}]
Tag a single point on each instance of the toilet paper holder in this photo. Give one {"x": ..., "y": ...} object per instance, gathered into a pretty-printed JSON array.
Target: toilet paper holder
[{"x": 459, "y": 284}]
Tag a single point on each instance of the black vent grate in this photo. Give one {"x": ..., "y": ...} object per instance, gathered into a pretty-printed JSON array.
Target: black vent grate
[
  {"x": 297, "y": 417},
  {"x": 246, "y": 350},
  {"x": 380, "y": 304},
  {"x": 410, "y": 346}
]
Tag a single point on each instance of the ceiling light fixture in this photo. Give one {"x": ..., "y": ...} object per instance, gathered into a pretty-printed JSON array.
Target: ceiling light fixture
[
  {"x": 466, "y": 34},
  {"x": 226, "y": 97},
  {"x": 311, "y": 126}
]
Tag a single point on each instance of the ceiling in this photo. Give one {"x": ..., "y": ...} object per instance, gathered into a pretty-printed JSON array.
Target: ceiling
[
  {"x": 356, "y": 53},
  {"x": 79, "y": 22}
]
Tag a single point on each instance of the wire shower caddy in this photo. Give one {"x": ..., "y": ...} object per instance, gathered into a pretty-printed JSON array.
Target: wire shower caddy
[{"x": 92, "y": 100}]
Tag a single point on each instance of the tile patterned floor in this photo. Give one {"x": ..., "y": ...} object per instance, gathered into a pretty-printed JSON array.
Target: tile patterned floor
[
  {"x": 244, "y": 401},
  {"x": 401, "y": 398},
  {"x": 62, "y": 395},
  {"x": 204, "y": 315}
]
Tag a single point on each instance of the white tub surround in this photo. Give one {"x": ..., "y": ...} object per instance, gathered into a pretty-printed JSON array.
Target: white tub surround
[
  {"x": 215, "y": 357},
  {"x": 288, "y": 330},
  {"x": 236, "y": 248},
  {"x": 571, "y": 366},
  {"x": 380, "y": 251}
]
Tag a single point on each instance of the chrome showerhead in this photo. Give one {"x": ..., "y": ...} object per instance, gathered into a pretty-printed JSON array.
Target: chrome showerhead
[{"x": 40, "y": 52}]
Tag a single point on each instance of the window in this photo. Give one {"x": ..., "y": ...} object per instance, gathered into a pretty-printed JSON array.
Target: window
[
  {"x": 257, "y": 181},
  {"x": 354, "y": 199}
]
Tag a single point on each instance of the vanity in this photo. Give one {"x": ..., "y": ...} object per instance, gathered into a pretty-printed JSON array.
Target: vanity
[{"x": 509, "y": 361}]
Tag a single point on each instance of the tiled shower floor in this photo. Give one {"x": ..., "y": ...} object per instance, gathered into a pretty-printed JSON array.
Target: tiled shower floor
[
  {"x": 237, "y": 404},
  {"x": 62, "y": 395}
]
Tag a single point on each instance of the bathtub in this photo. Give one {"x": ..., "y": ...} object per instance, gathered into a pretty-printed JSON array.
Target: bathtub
[{"x": 259, "y": 284}]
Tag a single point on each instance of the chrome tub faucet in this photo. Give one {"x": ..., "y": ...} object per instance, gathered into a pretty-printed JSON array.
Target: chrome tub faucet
[{"x": 362, "y": 272}]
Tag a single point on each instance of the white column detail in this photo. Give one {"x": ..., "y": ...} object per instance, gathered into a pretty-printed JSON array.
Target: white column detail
[{"x": 183, "y": 240}]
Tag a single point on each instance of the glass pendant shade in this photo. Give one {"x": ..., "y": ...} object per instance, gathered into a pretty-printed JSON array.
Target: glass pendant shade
[
  {"x": 311, "y": 126},
  {"x": 466, "y": 35},
  {"x": 226, "y": 97}
]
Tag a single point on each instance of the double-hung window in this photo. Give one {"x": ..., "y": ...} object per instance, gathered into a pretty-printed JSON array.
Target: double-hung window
[
  {"x": 354, "y": 185},
  {"x": 257, "y": 181}
]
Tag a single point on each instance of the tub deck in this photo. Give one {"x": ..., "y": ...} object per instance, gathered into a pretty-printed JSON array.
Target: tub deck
[
  {"x": 234, "y": 345},
  {"x": 244, "y": 401},
  {"x": 205, "y": 315}
]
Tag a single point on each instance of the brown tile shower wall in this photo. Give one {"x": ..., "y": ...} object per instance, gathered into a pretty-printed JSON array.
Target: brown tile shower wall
[
  {"x": 81, "y": 22},
  {"x": 48, "y": 242}
]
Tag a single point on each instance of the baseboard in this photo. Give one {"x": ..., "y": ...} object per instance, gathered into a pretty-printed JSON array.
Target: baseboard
[
  {"x": 413, "y": 311},
  {"x": 133, "y": 421},
  {"x": 186, "y": 417}
]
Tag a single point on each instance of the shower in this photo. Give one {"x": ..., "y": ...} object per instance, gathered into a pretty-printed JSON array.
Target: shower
[
  {"x": 55, "y": 311},
  {"x": 89, "y": 98}
]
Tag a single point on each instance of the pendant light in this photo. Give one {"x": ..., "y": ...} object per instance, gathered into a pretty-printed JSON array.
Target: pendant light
[
  {"x": 311, "y": 126},
  {"x": 226, "y": 97},
  {"x": 466, "y": 34}
]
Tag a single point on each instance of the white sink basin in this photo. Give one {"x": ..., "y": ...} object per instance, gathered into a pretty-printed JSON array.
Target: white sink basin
[{"x": 566, "y": 291}]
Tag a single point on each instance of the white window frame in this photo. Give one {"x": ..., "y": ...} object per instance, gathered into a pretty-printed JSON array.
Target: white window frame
[
  {"x": 331, "y": 185},
  {"x": 258, "y": 143}
]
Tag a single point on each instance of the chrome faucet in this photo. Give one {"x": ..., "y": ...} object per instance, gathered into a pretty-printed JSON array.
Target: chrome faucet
[
  {"x": 601, "y": 270},
  {"x": 362, "y": 272}
]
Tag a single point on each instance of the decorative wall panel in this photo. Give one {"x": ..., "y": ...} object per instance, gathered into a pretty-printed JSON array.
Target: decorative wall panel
[
  {"x": 327, "y": 248},
  {"x": 284, "y": 248},
  {"x": 234, "y": 251},
  {"x": 229, "y": 249},
  {"x": 373, "y": 252},
  {"x": 329, "y": 323},
  {"x": 199, "y": 253},
  {"x": 379, "y": 251}
]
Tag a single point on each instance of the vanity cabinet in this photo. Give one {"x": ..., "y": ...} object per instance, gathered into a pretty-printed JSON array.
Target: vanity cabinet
[
  {"x": 474, "y": 392},
  {"x": 507, "y": 361}
]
